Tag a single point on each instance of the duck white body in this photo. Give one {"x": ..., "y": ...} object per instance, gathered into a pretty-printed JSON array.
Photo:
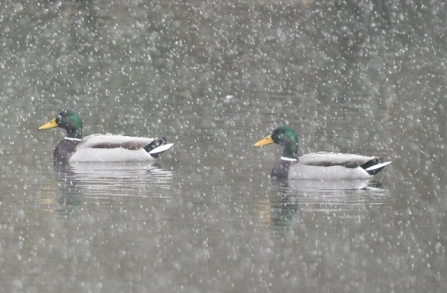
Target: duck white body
[
  {"x": 114, "y": 148},
  {"x": 306, "y": 172},
  {"x": 327, "y": 166}
]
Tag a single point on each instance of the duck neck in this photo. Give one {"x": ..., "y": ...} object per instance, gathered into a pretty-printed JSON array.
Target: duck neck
[
  {"x": 290, "y": 151},
  {"x": 74, "y": 133},
  {"x": 289, "y": 156}
]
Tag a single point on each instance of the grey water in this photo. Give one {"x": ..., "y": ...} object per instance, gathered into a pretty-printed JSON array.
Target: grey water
[{"x": 365, "y": 77}]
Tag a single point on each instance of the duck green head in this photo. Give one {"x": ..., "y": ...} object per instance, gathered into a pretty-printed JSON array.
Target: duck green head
[
  {"x": 68, "y": 120},
  {"x": 286, "y": 137}
]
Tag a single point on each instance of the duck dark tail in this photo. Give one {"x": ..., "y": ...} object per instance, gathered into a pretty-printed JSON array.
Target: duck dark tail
[
  {"x": 374, "y": 166},
  {"x": 157, "y": 147}
]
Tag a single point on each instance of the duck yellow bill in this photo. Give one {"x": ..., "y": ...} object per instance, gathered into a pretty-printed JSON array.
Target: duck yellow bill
[
  {"x": 49, "y": 125},
  {"x": 267, "y": 140}
]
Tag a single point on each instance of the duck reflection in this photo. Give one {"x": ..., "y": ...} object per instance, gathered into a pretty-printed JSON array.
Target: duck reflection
[
  {"x": 280, "y": 212},
  {"x": 99, "y": 182},
  {"x": 287, "y": 200}
]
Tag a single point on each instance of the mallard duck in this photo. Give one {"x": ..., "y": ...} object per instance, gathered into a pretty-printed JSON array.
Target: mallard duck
[
  {"x": 322, "y": 165},
  {"x": 101, "y": 148}
]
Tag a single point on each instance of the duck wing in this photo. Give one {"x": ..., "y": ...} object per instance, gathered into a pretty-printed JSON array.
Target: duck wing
[
  {"x": 109, "y": 141},
  {"x": 325, "y": 159}
]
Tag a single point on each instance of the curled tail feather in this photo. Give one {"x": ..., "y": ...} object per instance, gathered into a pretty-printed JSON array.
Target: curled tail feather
[
  {"x": 374, "y": 166},
  {"x": 150, "y": 148}
]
